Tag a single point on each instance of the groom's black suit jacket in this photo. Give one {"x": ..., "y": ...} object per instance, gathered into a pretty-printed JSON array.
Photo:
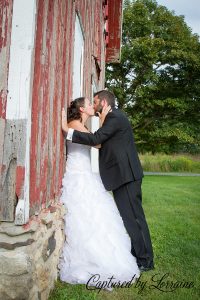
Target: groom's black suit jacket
[{"x": 118, "y": 158}]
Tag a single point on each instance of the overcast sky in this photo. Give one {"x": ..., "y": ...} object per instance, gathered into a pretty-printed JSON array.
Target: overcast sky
[{"x": 189, "y": 8}]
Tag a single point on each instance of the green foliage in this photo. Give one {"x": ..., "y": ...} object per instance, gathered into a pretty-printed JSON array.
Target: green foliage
[
  {"x": 169, "y": 163},
  {"x": 158, "y": 80}
]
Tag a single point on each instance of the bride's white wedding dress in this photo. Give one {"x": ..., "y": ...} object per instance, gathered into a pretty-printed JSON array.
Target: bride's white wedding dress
[{"x": 96, "y": 239}]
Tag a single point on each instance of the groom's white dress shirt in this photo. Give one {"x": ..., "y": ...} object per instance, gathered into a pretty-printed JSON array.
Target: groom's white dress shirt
[{"x": 70, "y": 134}]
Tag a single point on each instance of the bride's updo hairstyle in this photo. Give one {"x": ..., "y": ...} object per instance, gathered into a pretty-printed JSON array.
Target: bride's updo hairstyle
[{"x": 73, "y": 111}]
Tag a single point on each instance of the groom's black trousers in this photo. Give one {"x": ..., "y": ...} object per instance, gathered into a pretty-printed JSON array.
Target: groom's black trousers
[{"x": 128, "y": 198}]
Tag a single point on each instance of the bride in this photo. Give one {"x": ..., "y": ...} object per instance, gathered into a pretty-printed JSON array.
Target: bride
[{"x": 96, "y": 240}]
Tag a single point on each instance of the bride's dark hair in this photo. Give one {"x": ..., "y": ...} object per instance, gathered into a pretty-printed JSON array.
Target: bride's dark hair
[{"x": 73, "y": 111}]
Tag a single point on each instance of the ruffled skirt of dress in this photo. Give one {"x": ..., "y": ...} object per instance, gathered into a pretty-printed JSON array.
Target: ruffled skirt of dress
[{"x": 96, "y": 239}]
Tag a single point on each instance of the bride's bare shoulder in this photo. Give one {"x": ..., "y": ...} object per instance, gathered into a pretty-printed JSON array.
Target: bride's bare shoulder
[{"x": 77, "y": 125}]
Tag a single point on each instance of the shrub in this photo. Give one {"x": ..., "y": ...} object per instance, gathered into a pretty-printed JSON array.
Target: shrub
[{"x": 170, "y": 163}]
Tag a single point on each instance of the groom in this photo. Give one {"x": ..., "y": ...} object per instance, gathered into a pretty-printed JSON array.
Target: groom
[{"x": 121, "y": 173}]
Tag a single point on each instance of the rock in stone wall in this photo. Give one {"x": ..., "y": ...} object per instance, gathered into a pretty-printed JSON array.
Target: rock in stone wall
[{"x": 29, "y": 255}]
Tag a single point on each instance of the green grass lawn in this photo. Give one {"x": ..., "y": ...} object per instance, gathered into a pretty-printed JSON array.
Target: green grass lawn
[{"x": 172, "y": 208}]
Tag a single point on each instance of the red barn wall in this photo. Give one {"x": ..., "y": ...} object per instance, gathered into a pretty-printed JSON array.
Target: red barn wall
[
  {"x": 51, "y": 89},
  {"x": 52, "y": 86}
]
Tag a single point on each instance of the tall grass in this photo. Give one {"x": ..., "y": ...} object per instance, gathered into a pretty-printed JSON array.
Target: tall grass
[{"x": 170, "y": 163}]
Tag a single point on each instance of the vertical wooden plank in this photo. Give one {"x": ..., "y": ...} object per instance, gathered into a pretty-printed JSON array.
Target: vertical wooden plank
[
  {"x": 56, "y": 102},
  {"x": 6, "y": 7},
  {"x": 63, "y": 100},
  {"x": 37, "y": 93},
  {"x": 114, "y": 31},
  {"x": 16, "y": 142},
  {"x": 47, "y": 80}
]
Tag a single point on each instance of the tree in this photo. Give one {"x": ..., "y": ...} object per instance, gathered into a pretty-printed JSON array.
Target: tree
[{"x": 158, "y": 80}]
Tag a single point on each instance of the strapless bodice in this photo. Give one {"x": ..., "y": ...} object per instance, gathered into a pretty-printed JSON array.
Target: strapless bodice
[{"x": 78, "y": 157}]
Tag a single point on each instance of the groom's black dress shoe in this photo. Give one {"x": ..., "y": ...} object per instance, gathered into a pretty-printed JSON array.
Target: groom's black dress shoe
[{"x": 145, "y": 269}]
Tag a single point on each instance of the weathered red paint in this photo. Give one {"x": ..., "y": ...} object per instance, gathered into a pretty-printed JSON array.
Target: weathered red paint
[
  {"x": 35, "y": 163},
  {"x": 51, "y": 91},
  {"x": 45, "y": 84},
  {"x": 57, "y": 104},
  {"x": 52, "y": 87},
  {"x": 114, "y": 30},
  {"x": 3, "y": 101},
  {"x": 2, "y": 168},
  {"x": 20, "y": 173},
  {"x": 52, "y": 81},
  {"x": 5, "y": 34},
  {"x": 63, "y": 97},
  {"x": 5, "y": 7}
]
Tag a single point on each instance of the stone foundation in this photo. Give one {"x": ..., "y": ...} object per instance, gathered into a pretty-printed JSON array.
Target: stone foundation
[{"x": 29, "y": 255}]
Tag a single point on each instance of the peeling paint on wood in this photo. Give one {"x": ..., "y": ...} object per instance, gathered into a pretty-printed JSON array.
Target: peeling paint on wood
[
  {"x": 38, "y": 121},
  {"x": 52, "y": 88},
  {"x": 48, "y": 87},
  {"x": 7, "y": 193},
  {"x": 12, "y": 167},
  {"x": 5, "y": 34},
  {"x": 14, "y": 180},
  {"x": 113, "y": 50}
]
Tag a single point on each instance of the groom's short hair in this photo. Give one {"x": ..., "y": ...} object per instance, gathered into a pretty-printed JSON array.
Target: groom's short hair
[{"x": 109, "y": 96}]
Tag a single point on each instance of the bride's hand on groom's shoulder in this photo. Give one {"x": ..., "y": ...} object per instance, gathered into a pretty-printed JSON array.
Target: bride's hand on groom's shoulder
[
  {"x": 106, "y": 109},
  {"x": 64, "y": 121}
]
